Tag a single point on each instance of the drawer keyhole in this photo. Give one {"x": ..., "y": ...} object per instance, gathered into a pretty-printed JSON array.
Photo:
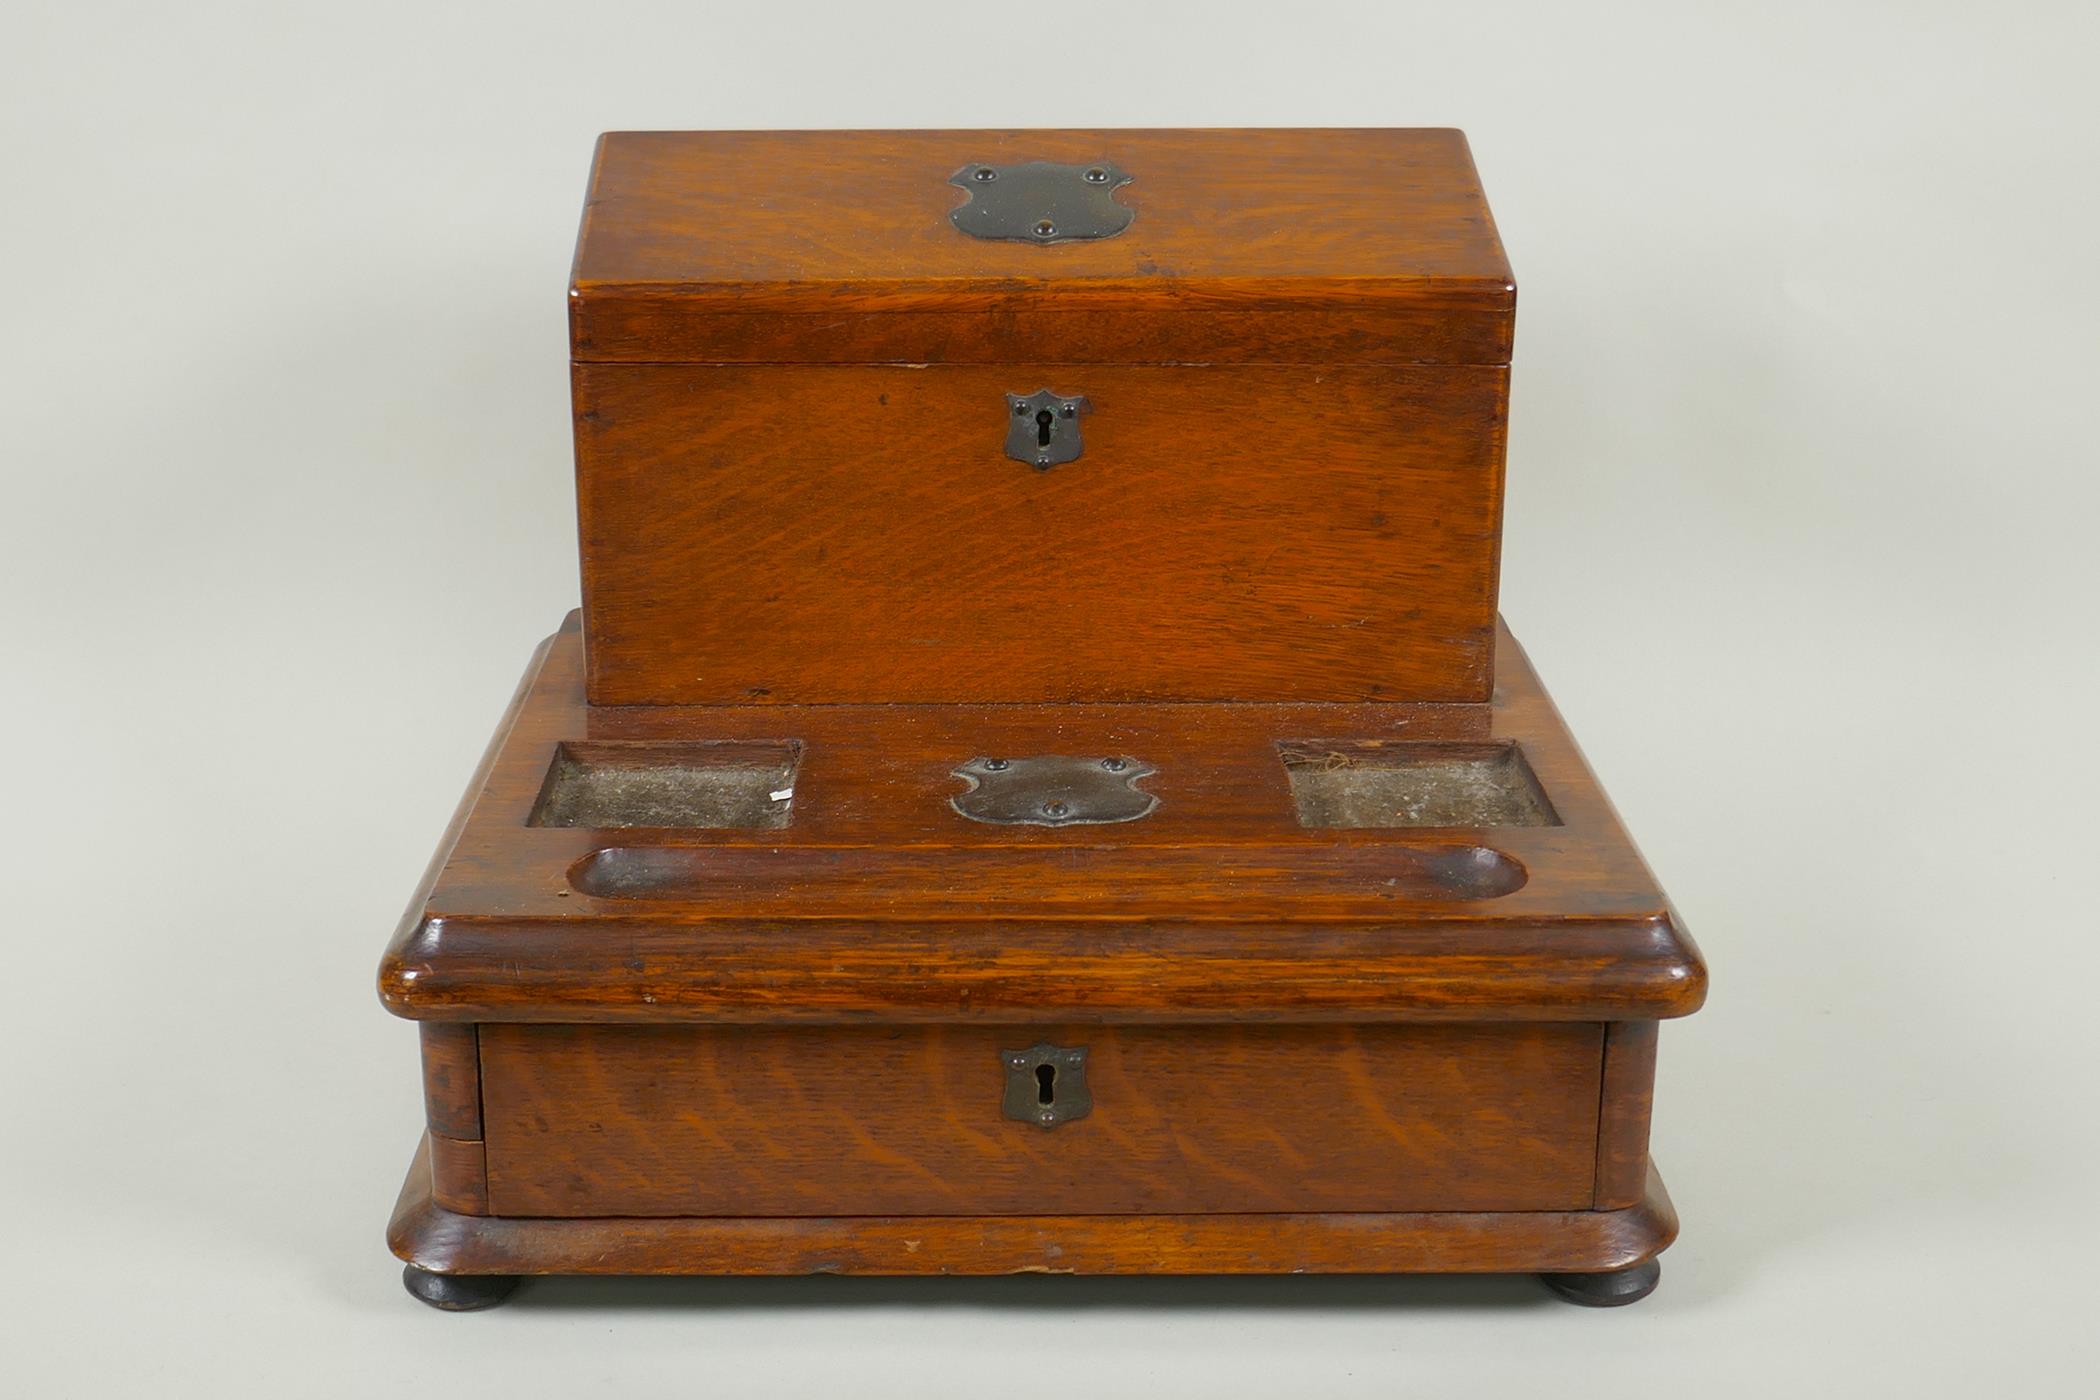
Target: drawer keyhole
[
  {"x": 1043, "y": 422},
  {"x": 1045, "y": 1084}
]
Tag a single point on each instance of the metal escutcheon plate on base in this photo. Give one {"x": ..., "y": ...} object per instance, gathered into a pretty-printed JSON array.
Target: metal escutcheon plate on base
[{"x": 1054, "y": 790}]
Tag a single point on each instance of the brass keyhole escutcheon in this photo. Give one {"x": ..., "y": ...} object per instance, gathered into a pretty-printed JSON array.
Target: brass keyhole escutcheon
[
  {"x": 1042, "y": 428},
  {"x": 1046, "y": 1084}
]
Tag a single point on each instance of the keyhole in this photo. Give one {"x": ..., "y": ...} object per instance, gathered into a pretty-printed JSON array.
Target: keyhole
[
  {"x": 1043, "y": 421},
  {"x": 1045, "y": 1080}
]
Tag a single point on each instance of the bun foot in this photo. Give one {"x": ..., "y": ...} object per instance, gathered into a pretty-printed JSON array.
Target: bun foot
[
  {"x": 458, "y": 1292},
  {"x": 1612, "y": 1290}
]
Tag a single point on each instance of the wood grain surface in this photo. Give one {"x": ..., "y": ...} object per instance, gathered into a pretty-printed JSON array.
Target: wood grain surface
[
  {"x": 505, "y": 933},
  {"x": 616, "y": 1120},
  {"x": 1579, "y": 1241},
  {"x": 852, "y": 534},
  {"x": 459, "y": 1174},
  {"x": 776, "y": 1047},
  {"x": 1628, "y": 1098},
  {"x": 1282, "y": 246},
  {"x": 1285, "y": 884},
  {"x": 451, "y": 1079}
]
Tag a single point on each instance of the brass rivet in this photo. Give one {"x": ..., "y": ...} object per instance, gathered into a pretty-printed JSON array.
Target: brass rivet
[
  {"x": 995, "y": 764},
  {"x": 1096, "y": 175},
  {"x": 1044, "y": 228},
  {"x": 984, "y": 173}
]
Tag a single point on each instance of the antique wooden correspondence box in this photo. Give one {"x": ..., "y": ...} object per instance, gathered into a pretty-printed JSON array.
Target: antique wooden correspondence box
[{"x": 1037, "y": 781}]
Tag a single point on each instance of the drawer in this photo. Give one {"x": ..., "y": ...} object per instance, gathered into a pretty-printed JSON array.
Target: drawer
[
  {"x": 705, "y": 1121},
  {"x": 843, "y": 534}
]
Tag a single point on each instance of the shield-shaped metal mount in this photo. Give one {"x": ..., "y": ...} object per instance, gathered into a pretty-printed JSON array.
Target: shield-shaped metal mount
[{"x": 1041, "y": 202}]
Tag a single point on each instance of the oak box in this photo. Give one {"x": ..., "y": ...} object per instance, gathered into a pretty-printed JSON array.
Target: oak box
[
  {"x": 1037, "y": 782},
  {"x": 796, "y": 381}
]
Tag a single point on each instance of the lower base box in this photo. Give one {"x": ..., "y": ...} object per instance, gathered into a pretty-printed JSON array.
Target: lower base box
[{"x": 1340, "y": 989}]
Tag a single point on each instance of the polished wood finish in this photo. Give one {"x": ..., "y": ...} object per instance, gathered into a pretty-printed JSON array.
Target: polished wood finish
[
  {"x": 452, "y": 1108},
  {"x": 506, "y": 934},
  {"x": 1622, "y": 1131},
  {"x": 1294, "y": 884},
  {"x": 836, "y": 247},
  {"x": 907, "y": 1121},
  {"x": 459, "y": 1174},
  {"x": 838, "y": 535},
  {"x": 790, "y": 388},
  {"x": 452, "y": 1079},
  {"x": 1319, "y": 1035},
  {"x": 430, "y": 1237}
]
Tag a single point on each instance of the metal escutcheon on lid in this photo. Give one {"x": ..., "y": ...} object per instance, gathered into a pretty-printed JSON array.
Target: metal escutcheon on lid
[
  {"x": 1054, "y": 790},
  {"x": 1040, "y": 202}
]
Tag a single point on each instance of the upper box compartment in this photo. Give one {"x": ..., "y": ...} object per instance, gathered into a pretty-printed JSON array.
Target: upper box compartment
[
  {"x": 833, "y": 446},
  {"x": 1248, "y": 247}
]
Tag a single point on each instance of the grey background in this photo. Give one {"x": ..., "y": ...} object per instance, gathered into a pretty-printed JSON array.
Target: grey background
[{"x": 1802, "y": 484}]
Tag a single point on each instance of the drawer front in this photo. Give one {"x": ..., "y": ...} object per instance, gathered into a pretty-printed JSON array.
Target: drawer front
[
  {"x": 858, "y": 534},
  {"x": 617, "y": 1120}
]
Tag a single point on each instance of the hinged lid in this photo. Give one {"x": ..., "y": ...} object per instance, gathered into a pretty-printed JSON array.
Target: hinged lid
[{"x": 975, "y": 247}]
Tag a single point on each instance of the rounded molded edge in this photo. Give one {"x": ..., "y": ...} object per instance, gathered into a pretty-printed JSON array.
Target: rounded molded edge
[{"x": 1585, "y": 1243}]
